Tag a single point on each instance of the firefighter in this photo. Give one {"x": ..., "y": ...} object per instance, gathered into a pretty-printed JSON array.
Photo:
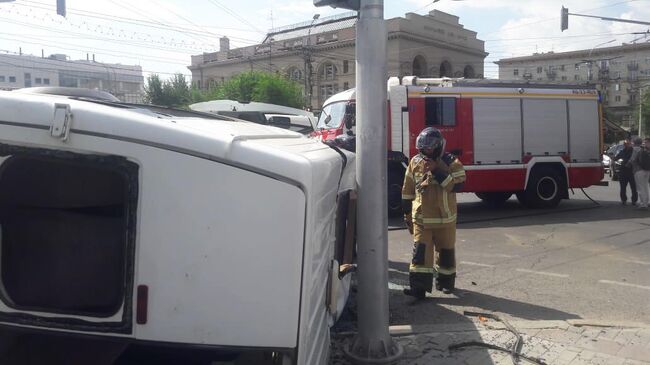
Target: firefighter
[{"x": 429, "y": 201}]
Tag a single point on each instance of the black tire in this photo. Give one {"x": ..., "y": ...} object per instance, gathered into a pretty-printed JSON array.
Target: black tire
[
  {"x": 494, "y": 199},
  {"x": 394, "y": 191},
  {"x": 544, "y": 189}
]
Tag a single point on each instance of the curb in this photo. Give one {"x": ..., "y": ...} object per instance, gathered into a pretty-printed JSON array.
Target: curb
[
  {"x": 475, "y": 325},
  {"x": 408, "y": 330}
]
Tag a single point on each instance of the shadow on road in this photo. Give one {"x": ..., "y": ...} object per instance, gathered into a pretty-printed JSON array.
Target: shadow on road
[{"x": 467, "y": 299}]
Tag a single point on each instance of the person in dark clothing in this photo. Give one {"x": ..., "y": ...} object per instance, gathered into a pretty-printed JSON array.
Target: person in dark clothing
[{"x": 626, "y": 174}]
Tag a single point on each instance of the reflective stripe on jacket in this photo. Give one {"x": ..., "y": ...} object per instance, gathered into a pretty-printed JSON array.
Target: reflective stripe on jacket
[{"x": 433, "y": 193}]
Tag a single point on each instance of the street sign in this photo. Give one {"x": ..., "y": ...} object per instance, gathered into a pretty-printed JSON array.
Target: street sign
[
  {"x": 343, "y": 4},
  {"x": 564, "y": 22}
]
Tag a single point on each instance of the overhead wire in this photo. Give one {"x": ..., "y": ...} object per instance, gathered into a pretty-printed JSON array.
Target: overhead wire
[
  {"x": 234, "y": 14},
  {"x": 122, "y": 54},
  {"x": 148, "y": 24}
]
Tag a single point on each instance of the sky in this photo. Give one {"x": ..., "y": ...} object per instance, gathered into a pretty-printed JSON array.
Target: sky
[{"x": 161, "y": 35}]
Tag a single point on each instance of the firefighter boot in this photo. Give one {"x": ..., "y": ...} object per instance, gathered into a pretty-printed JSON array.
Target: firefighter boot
[
  {"x": 416, "y": 293},
  {"x": 446, "y": 283},
  {"x": 420, "y": 274}
]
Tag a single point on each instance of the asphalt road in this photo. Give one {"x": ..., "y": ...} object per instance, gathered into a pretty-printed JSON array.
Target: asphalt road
[{"x": 580, "y": 260}]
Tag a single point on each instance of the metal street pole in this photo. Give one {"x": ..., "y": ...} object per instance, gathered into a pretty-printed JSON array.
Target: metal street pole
[
  {"x": 641, "y": 112},
  {"x": 372, "y": 344},
  {"x": 307, "y": 52}
]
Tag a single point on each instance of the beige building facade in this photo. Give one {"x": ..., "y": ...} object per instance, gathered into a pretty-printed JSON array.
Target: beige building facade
[
  {"x": 621, "y": 73},
  {"x": 125, "y": 82},
  {"x": 320, "y": 54}
]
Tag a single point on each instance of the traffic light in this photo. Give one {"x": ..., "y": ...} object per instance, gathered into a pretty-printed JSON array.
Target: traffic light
[
  {"x": 60, "y": 7},
  {"x": 564, "y": 22},
  {"x": 343, "y": 4}
]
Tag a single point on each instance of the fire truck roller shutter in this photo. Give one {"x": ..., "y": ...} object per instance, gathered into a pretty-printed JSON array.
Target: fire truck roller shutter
[
  {"x": 497, "y": 131},
  {"x": 583, "y": 128},
  {"x": 545, "y": 127}
]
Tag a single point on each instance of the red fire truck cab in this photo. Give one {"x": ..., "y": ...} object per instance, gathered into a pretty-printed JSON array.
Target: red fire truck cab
[{"x": 535, "y": 141}]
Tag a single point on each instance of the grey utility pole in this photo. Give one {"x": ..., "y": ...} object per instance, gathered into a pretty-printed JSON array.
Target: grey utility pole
[{"x": 372, "y": 344}]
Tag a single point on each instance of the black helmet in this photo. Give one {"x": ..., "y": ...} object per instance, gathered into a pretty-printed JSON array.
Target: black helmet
[{"x": 430, "y": 139}]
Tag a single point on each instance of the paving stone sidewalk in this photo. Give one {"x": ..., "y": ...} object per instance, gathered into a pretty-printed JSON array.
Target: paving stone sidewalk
[{"x": 572, "y": 342}]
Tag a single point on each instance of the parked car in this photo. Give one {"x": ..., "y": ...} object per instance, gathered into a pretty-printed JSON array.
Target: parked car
[
  {"x": 615, "y": 166},
  {"x": 607, "y": 163}
]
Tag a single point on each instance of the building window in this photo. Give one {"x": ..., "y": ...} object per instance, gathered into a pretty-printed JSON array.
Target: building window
[
  {"x": 617, "y": 98},
  {"x": 12, "y": 78},
  {"x": 564, "y": 78},
  {"x": 468, "y": 72},
  {"x": 419, "y": 66},
  {"x": 515, "y": 72},
  {"x": 295, "y": 74},
  {"x": 346, "y": 85},
  {"x": 28, "y": 79},
  {"x": 328, "y": 90},
  {"x": 2, "y": 79},
  {"x": 440, "y": 111},
  {"x": 576, "y": 77},
  {"x": 561, "y": 67},
  {"x": 346, "y": 66},
  {"x": 37, "y": 80},
  {"x": 539, "y": 70},
  {"x": 328, "y": 72},
  {"x": 445, "y": 69},
  {"x": 617, "y": 87}
]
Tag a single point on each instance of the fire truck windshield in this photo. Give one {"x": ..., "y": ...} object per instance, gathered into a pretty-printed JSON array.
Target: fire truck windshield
[{"x": 331, "y": 116}]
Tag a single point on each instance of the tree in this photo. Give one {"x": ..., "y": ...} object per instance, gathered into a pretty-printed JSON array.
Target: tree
[
  {"x": 248, "y": 86},
  {"x": 153, "y": 91},
  {"x": 262, "y": 87},
  {"x": 174, "y": 92},
  {"x": 645, "y": 112}
]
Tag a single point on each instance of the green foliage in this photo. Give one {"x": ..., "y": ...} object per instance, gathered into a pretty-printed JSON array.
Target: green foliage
[
  {"x": 645, "y": 112},
  {"x": 261, "y": 87},
  {"x": 248, "y": 86},
  {"x": 174, "y": 92}
]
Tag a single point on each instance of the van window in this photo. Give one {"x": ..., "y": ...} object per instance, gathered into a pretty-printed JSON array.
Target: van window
[
  {"x": 65, "y": 233},
  {"x": 440, "y": 111}
]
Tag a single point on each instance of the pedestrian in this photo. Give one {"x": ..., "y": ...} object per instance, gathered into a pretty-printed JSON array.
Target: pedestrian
[
  {"x": 429, "y": 201},
  {"x": 626, "y": 174},
  {"x": 640, "y": 162}
]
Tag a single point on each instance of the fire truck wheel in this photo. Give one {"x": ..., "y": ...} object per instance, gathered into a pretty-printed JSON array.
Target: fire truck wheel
[
  {"x": 494, "y": 199},
  {"x": 394, "y": 192},
  {"x": 543, "y": 190}
]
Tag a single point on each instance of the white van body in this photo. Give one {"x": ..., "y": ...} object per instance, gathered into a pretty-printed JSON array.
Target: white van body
[{"x": 223, "y": 231}]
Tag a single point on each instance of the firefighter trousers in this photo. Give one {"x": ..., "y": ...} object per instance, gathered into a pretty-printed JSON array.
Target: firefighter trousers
[{"x": 434, "y": 255}]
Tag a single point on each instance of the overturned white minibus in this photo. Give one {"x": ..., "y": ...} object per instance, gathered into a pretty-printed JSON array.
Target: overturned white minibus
[{"x": 151, "y": 227}]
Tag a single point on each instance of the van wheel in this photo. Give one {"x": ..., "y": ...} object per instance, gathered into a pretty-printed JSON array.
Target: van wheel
[
  {"x": 544, "y": 189},
  {"x": 394, "y": 191},
  {"x": 494, "y": 199}
]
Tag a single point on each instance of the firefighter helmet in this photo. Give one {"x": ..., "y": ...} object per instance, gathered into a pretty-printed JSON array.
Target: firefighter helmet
[{"x": 430, "y": 143}]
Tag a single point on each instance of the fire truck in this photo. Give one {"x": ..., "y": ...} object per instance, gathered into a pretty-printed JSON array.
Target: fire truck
[{"x": 535, "y": 141}]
